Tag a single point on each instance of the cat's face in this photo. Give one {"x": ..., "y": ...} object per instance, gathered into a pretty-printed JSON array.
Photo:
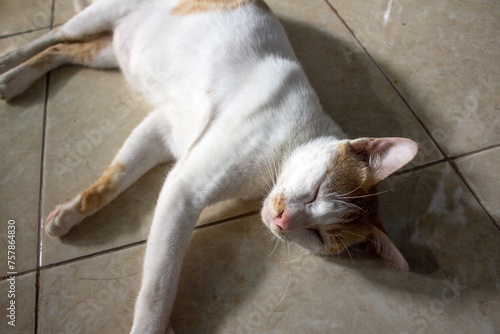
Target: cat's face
[{"x": 325, "y": 197}]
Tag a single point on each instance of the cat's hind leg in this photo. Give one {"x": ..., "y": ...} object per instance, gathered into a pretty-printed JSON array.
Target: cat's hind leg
[
  {"x": 146, "y": 147},
  {"x": 94, "y": 20},
  {"x": 97, "y": 53}
]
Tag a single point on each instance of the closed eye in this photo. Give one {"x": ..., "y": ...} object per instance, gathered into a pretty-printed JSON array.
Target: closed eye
[{"x": 315, "y": 195}]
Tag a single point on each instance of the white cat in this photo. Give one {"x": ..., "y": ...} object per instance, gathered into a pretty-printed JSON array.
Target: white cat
[{"x": 232, "y": 105}]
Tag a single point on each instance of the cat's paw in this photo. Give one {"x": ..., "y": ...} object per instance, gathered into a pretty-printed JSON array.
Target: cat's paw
[
  {"x": 14, "y": 82},
  {"x": 7, "y": 61},
  {"x": 62, "y": 219}
]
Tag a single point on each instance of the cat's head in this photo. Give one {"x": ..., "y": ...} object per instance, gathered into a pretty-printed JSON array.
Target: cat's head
[{"x": 325, "y": 198}]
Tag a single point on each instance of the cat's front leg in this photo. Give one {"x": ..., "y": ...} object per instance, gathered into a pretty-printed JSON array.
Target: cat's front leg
[
  {"x": 145, "y": 148},
  {"x": 177, "y": 211}
]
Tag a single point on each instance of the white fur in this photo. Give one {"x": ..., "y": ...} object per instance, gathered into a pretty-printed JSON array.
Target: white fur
[{"x": 230, "y": 103}]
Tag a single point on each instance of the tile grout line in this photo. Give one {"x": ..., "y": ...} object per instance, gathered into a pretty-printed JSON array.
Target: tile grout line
[
  {"x": 136, "y": 243},
  {"x": 14, "y": 34},
  {"x": 96, "y": 254},
  {"x": 227, "y": 220},
  {"x": 479, "y": 150},
  {"x": 40, "y": 201},
  {"x": 464, "y": 180},
  {"x": 420, "y": 122},
  {"x": 40, "y": 196},
  {"x": 449, "y": 160},
  {"x": 21, "y": 273}
]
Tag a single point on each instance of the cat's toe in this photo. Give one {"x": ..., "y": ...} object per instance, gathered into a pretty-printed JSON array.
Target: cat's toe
[
  {"x": 11, "y": 85},
  {"x": 54, "y": 225},
  {"x": 61, "y": 220},
  {"x": 6, "y": 91},
  {"x": 8, "y": 61},
  {"x": 4, "y": 94}
]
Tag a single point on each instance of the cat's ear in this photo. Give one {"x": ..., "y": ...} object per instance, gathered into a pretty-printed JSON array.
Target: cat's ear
[
  {"x": 381, "y": 244},
  {"x": 384, "y": 155}
]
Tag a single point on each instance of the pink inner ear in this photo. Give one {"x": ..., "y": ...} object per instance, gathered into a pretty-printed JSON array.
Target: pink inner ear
[{"x": 385, "y": 155}]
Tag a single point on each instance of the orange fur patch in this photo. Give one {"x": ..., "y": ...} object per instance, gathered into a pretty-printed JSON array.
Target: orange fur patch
[
  {"x": 279, "y": 203},
  {"x": 352, "y": 180},
  {"x": 44, "y": 59},
  {"x": 77, "y": 53},
  {"x": 187, "y": 7},
  {"x": 349, "y": 172},
  {"x": 93, "y": 198}
]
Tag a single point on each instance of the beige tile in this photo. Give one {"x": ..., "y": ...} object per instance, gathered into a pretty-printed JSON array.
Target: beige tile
[
  {"x": 482, "y": 171},
  {"x": 351, "y": 88},
  {"x": 234, "y": 280},
  {"x": 24, "y": 15},
  {"x": 91, "y": 296},
  {"x": 443, "y": 58},
  {"x": 21, "y": 129},
  {"x": 21, "y": 291},
  {"x": 64, "y": 9}
]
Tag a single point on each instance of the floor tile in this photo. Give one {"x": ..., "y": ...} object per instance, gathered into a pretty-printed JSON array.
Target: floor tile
[
  {"x": 24, "y": 15},
  {"x": 443, "y": 58},
  {"x": 351, "y": 88},
  {"x": 21, "y": 126},
  {"x": 64, "y": 10},
  {"x": 482, "y": 171},
  {"x": 21, "y": 291},
  {"x": 91, "y": 296}
]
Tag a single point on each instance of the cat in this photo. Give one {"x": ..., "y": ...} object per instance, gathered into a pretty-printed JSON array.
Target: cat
[{"x": 233, "y": 107}]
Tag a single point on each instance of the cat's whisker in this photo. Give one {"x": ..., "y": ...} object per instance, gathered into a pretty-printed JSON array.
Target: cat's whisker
[
  {"x": 275, "y": 246},
  {"x": 350, "y": 204},
  {"x": 286, "y": 290},
  {"x": 284, "y": 244},
  {"x": 369, "y": 195},
  {"x": 350, "y": 192},
  {"x": 346, "y": 248},
  {"x": 338, "y": 249},
  {"x": 364, "y": 238}
]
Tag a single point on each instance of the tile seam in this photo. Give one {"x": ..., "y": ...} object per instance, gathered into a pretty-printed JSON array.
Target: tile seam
[
  {"x": 473, "y": 192},
  {"x": 40, "y": 199},
  {"x": 142, "y": 242},
  {"x": 417, "y": 118},
  {"x": 23, "y": 32},
  {"x": 474, "y": 152}
]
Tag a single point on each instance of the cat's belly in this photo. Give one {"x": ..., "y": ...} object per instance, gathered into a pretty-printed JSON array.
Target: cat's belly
[{"x": 191, "y": 68}]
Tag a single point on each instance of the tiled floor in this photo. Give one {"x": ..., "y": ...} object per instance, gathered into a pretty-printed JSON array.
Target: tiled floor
[{"x": 421, "y": 69}]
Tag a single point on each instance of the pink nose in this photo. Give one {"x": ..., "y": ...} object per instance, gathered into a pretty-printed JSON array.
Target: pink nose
[{"x": 281, "y": 221}]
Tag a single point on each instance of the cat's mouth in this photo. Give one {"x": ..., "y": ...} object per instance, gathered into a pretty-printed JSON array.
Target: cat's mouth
[{"x": 317, "y": 234}]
